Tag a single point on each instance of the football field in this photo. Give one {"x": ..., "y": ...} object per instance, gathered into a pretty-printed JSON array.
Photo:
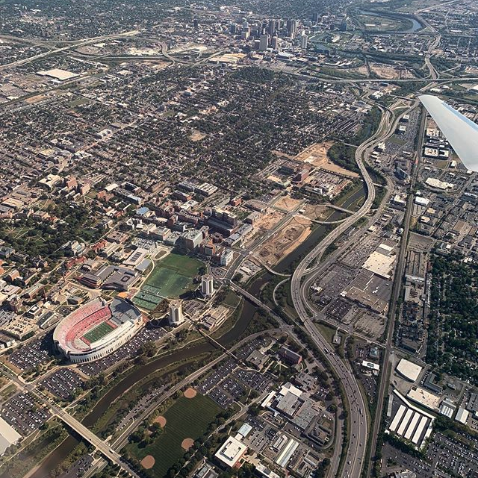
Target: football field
[{"x": 100, "y": 331}]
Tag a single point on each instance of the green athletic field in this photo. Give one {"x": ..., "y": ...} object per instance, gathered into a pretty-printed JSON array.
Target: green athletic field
[
  {"x": 186, "y": 418},
  {"x": 100, "y": 331},
  {"x": 171, "y": 277}
]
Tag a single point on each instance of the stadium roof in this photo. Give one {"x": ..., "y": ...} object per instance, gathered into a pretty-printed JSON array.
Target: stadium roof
[{"x": 460, "y": 131}]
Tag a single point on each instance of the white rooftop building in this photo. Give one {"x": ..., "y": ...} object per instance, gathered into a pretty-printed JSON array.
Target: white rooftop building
[
  {"x": 409, "y": 370},
  {"x": 8, "y": 436},
  {"x": 231, "y": 452}
]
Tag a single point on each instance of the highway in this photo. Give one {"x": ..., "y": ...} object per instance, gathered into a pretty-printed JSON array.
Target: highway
[
  {"x": 335, "y": 459},
  {"x": 358, "y": 436}
]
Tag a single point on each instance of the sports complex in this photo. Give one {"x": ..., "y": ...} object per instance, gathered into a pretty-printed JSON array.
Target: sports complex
[
  {"x": 97, "y": 329},
  {"x": 171, "y": 277}
]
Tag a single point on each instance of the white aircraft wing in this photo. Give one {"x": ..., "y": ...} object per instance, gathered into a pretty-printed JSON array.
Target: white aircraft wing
[{"x": 459, "y": 131}]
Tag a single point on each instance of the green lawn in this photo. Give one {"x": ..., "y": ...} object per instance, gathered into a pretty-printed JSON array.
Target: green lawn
[
  {"x": 100, "y": 331},
  {"x": 185, "y": 265},
  {"x": 171, "y": 277},
  {"x": 186, "y": 418}
]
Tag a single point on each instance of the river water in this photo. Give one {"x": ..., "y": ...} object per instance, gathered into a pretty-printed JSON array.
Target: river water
[{"x": 416, "y": 25}]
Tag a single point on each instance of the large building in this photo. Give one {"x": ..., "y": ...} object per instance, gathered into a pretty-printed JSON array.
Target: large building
[
  {"x": 176, "y": 316},
  {"x": 207, "y": 286},
  {"x": 97, "y": 329},
  {"x": 231, "y": 452}
]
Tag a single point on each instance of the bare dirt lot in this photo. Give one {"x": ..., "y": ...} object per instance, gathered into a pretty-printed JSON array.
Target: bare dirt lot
[
  {"x": 265, "y": 223},
  {"x": 361, "y": 70},
  {"x": 316, "y": 155},
  {"x": 287, "y": 203},
  {"x": 316, "y": 211},
  {"x": 385, "y": 71},
  {"x": 285, "y": 241},
  {"x": 196, "y": 136}
]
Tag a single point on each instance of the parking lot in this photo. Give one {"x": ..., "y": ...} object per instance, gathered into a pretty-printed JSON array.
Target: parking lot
[
  {"x": 62, "y": 383},
  {"x": 229, "y": 382},
  {"x": 445, "y": 457},
  {"x": 449, "y": 454},
  {"x": 24, "y": 414},
  {"x": 253, "y": 379},
  {"x": 78, "y": 468},
  {"x": 130, "y": 349},
  {"x": 32, "y": 354}
]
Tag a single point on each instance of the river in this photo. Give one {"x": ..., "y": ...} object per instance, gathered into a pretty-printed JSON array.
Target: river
[{"x": 416, "y": 25}]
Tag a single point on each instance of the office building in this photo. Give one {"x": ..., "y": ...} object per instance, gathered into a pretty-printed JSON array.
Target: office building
[
  {"x": 303, "y": 41},
  {"x": 291, "y": 28},
  {"x": 263, "y": 42}
]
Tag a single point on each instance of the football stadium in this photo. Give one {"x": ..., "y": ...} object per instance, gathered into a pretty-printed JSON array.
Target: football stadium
[{"x": 97, "y": 329}]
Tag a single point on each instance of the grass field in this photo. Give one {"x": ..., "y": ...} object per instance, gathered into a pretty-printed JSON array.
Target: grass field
[
  {"x": 171, "y": 277},
  {"x": 186, "y": 418},
  {"x": 100, "y": 331}
]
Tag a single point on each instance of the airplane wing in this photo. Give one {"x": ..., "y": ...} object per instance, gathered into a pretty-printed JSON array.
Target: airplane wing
[{"x": 459, "y": 131}]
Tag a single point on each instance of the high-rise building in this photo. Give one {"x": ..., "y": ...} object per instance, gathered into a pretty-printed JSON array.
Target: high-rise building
[
  {"x": 275, "y": 43},
  {"x": 263, "y": 42},
  {"x": 175, "y": 313},
  {"x": 291, "y": 28},
  {"x": 207, "y": 286},
  {"x": 303, "y": 40},
  {"x": 272, "y": 27}
]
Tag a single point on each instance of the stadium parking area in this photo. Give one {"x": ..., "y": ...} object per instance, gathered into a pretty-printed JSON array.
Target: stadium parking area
[
  {"x": 62, "y": 383},
  {"x": 24, "y": 414},
  {"x": 32, "y": 354},
  {"x": 127, "y": 351}
]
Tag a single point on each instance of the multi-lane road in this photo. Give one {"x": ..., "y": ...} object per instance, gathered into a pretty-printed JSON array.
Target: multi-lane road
[{"x": 303, "y": 277}]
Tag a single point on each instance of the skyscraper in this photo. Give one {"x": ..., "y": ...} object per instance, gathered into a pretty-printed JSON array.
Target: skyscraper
[
  {"x": 303, "y": 40},
  {"x": 272, "y": 27},
  {"x": 291, "y": 28},
  {"x": 275, "y": 43},
  {"x": 264, "y": 42}
]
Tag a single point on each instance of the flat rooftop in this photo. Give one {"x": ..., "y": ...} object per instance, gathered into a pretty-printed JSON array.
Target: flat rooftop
[{"x": 409, "y": 370}]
